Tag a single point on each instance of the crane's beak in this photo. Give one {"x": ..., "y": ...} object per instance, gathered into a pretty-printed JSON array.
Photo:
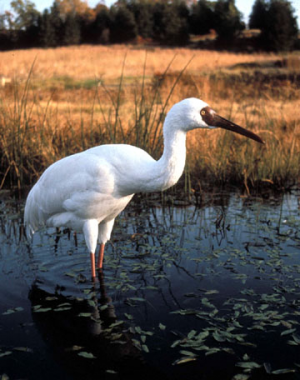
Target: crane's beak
[{"x": 213, "y": 119}]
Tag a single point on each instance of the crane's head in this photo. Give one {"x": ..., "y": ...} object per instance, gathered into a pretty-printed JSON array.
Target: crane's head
[{"x": 193, "y": 113}]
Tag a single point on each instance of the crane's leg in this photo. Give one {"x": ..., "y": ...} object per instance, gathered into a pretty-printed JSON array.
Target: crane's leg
[
  {"x": 100, "y": 256},
  {"x": 92, "y": 256},
  {"x": 90, "y": 231},
  {"x": 75, "y": 239}
]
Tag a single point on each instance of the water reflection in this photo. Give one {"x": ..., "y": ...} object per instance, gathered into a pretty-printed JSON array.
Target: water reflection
[
  {"x": 79, "y": 330},
  {"x": 183, "y": 288}
]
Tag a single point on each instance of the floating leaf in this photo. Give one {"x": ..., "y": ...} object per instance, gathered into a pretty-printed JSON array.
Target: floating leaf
[
  {"x": 184, "y": 360},
  {"x": 118, "y": 323},
  {"x": 161, "y": 326},
  {"x": 296, "y": 338},
  {"x": 85, "y": 315},
  {"x": 248, "y": 365},
  {"x": 23, "y": 349},
  {"x": 268, "y": 367},
  {"x": 283, "y": 371},
  {"x": 241, "y": 376},
  {"x": 264, "y": 306},
  {"x": 174, "y": 344},
  {"x": 111, "y": 371},
  {"x": 139, "y": 299},
  {"x": 187, "y": 353},
  {"x": 212, "y": 351},
  {"x": 292, "y": 343},
  {"x": 218, "y": 337},
  {"x": 9, "y": 311},
  {"x": 191, "y": 334},
  {"x": 228, "y": 350},
  {"x": 64, "y": 304},
  {"x": 6, "y": 353},
  {"x": 145, "y": 348},
  {"x": 42, "y": 310},
  {"x": 74, "y": 348},
  {"x": 86, "y": 355},
  {"x": 209, "y": 292},
  {"x": 203, "y": 335},
  {"x": 14, "y": 310},
  {"x": 286, "y": 324},
  {"x": 286, "y": 332},
  {"x": 62, "y": 309}
]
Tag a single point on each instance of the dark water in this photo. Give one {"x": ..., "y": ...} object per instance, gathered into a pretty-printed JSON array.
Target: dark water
[{"x": 208, "y": 292}]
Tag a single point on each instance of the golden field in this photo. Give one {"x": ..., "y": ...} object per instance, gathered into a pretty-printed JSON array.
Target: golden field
[
  {"x": 55, "y": 102},
  {"x": 97, "y": 62}
]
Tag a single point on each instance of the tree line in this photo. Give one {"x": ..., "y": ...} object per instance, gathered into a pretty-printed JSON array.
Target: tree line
[{"x": 165, "y": 22}]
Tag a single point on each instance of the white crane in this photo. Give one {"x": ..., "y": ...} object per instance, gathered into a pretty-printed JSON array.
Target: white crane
[{"x": 87, "y": 190}]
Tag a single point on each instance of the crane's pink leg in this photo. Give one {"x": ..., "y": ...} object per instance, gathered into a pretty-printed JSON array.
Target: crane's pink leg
[
  {"x": 100, "y": 256},
  {"x": 92, "y": 256}
]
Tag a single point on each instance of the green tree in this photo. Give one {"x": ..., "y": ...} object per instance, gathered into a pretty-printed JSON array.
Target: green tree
[
  {"x": 25, "y": 23},
  {"x": 258, "y": 15},
  {"x": 56, "y": 23},
  {"x": 279, "y": 32},
  {"x": 5, "y": 33},
  {"x": 202, "y": 17},
  {"x": 123, "y": 28},
  {"x": 71, "y": 30},
  {"x": 101, "y": 25},
  {"x": 26, "y": 14},
  {"x": 228, "y": 22},
  {"x": 2, "y": 21},
  {"x": 170, "y": 23},
  {"x": 47, "y": 33},
  {"x": 143, "y": 15}
]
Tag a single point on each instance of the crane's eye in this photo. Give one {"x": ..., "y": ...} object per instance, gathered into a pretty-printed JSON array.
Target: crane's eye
[{"x": 207, "y": 115}]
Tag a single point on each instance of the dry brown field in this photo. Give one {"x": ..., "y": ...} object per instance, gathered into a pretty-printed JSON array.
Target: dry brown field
[{"x": 55, "y": 102}]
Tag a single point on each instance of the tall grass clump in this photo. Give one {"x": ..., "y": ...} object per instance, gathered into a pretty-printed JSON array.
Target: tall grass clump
[
  {"x": 39, "y": 126},
  {"x": 17, "y": 140}
]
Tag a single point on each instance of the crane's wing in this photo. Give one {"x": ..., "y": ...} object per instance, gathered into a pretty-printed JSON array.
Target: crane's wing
[
  {"x": 76, "y": 188},
  {"x": 95, "y": 184}
]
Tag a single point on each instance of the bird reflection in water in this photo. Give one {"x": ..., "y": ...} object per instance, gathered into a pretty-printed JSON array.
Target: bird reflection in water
[{"x": 72, "y": 327}]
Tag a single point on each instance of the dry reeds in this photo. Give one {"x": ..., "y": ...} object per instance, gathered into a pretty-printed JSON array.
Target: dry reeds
[{"x": 59, "y": 110}]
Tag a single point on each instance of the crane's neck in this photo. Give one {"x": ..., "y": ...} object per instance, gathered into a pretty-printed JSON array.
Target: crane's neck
[{"x": 165, "y": 172}]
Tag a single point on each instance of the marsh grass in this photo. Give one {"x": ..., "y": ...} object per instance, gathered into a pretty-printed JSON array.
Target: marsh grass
[{"x": 41, "y": 122}]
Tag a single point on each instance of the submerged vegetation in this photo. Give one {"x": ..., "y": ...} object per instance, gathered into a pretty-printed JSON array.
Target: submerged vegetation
[{"x": 44, "y": 117}]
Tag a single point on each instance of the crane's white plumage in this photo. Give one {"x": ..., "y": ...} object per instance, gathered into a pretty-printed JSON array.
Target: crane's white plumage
[{"x": 87, "y": 190}]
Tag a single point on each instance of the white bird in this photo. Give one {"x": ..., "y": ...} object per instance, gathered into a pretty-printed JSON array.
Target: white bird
[{"x": 87, "y": 190}]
